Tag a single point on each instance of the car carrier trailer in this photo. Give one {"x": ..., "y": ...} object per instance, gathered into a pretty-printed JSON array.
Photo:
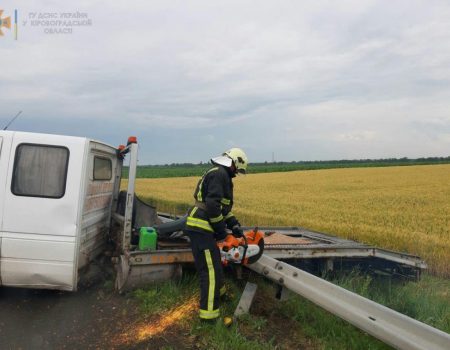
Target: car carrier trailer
[{"x": 313, "y": 251}]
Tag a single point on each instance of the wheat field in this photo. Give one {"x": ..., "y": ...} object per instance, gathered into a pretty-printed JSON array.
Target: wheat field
[{"x": 401, "y": 208}]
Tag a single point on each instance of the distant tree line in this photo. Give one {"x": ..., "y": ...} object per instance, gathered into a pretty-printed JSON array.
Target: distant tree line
[{"x": 192, "y": 169}]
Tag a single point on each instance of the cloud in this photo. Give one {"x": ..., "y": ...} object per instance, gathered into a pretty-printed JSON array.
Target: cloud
[
  {"x": 306, "y": 80},
  {"x": 363, "y": 135}
]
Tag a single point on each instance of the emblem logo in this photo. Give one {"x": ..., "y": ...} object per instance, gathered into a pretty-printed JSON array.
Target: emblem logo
[{"x": 4, "y": 22}]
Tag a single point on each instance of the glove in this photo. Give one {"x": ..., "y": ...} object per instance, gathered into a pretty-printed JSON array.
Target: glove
[
  {"x": 237, "y": 231},
  {"x": 220, "y": 236}
]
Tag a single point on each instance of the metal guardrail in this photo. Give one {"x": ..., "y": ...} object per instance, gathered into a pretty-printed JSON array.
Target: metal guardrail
[{"x": 391, "y": 327}]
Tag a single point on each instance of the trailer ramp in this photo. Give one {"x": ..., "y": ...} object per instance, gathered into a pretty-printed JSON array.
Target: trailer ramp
[{"x": 391, "y": 327}]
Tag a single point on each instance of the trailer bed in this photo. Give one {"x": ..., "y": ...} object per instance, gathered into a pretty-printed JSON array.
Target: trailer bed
[
  {"x": 312, "y": 251},
  {"x": 313, "y": 244}
]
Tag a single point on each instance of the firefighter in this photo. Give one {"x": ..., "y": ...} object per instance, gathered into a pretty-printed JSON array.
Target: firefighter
[{"x": 207, "y": 222}]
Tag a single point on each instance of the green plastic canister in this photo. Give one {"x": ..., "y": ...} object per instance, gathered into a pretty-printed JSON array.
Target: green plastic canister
[{"x": 147, "y": 238}]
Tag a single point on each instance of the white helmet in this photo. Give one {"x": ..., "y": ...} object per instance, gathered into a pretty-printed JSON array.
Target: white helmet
[{"x": 234, "y": 156}]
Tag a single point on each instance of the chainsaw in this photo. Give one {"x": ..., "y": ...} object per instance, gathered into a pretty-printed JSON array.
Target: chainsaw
[{"x": 243, "y": 250}]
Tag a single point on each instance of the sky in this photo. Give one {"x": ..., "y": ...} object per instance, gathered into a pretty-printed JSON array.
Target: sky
[{"x": 289, "y": 80}]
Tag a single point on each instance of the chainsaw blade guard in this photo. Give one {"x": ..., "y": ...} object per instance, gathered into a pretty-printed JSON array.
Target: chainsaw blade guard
[
  {"x": 255, "y": 237},
  {"x": 255, "y": 258}
]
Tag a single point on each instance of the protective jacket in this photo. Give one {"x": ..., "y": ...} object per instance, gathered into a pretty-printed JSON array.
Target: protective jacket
[{"x": 213, "y": 203}]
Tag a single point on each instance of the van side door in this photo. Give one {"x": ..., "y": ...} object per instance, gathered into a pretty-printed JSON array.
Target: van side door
[{"x": 97, "y": 208}]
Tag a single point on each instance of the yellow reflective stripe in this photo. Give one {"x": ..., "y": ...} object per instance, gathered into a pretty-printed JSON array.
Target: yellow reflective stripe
[
  {"x": 211, "y": 170},
  {"x": 199, "y": 223},
  {"x": 212, "y": 280},
  {"x": 229, "y": 215},
  {"x": 216, "y": 219},
  {"x": 225, "y": 201},
  {"x": 209, "y": 314},
  {"x": 203, "y": 224},
  {"x": 199, "y": 194}
]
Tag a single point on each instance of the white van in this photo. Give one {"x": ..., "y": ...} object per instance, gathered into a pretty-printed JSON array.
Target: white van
[{"x": 56, "y": 195}]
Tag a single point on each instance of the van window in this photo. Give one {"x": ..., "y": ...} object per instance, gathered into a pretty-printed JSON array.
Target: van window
[
  {"x": 40, "y": 171},
  {"x": 102, "y": 168}
]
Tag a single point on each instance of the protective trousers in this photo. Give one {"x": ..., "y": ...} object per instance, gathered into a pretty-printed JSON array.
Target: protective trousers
[{"x": 209, "y": 268}]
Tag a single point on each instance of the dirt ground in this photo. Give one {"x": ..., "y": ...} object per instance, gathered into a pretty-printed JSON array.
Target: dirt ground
[
  {"x": 45, "y": 319},
  {"x": 96, "y": 317}
]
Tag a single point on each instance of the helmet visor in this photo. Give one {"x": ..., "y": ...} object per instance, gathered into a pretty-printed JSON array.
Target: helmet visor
[{"x": 222, "y": 160}]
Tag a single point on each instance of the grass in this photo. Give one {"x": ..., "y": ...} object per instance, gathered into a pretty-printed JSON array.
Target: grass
[
  {"x": 400, "y": 208},
  {"x": 162, "y": 299},
  {"x": 162, "y": 296},
  {"x": 423, "y": 302},
  {"x": 295, "y": 323}
]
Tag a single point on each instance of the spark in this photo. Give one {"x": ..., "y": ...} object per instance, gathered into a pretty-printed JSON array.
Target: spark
[
  {"x": 145, "y": 330},
  {"x": 166, "y": 320}
]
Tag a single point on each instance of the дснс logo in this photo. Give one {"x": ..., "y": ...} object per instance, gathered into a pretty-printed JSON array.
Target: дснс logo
[{"x": 4, "y": 22}]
